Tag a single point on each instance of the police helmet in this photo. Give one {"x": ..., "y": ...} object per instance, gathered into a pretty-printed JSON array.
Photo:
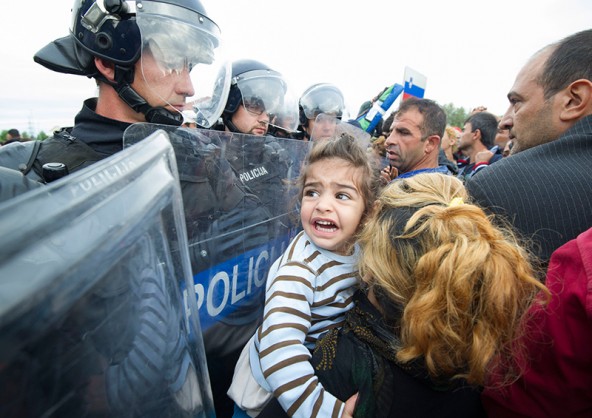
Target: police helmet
[
  {"x": 175, "y": 32},
  {"x": 321, "y": 98},
  {"x": 108, "y": 29},
  {"x": 259, "y": 89},
  {"x": 250, "y": 80}
]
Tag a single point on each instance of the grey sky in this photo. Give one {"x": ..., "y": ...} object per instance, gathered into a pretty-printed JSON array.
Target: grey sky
[{"x": 470, "y": 51}]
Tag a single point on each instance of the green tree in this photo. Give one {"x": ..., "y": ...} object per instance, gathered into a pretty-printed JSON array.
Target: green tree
[
  {"x": 456, "y": 116},
  {"x": 42, "y": 136}
]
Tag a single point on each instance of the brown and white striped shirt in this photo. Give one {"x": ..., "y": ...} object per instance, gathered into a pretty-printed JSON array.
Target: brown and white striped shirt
[{"x": 308, "y": 291}]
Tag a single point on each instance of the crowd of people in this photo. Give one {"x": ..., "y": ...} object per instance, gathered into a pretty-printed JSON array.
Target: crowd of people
[{"x": 435, "y": 270}]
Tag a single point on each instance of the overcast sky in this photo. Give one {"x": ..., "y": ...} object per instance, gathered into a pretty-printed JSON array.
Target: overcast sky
[{"x": 469, "y": 51}]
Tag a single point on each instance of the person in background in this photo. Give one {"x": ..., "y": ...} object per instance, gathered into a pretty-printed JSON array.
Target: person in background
[
  {"x": 448, "y": 147},
  {"x": 502, "y": 137},
  {"x": 450, "y": 143},
  {"x": 258, "y": 93},
  {"x": 413, "y": 145},
  {"x": 545, "y": 187},
  {"x": 507, "y": 149},
  {"x": 320, "y": 98},
  {"x": 13, "y": 135},
  {"x": 476, "y": 142}
]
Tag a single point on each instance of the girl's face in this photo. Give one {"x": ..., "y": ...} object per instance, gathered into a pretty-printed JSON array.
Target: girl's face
[{"x": 332, "y": 204}]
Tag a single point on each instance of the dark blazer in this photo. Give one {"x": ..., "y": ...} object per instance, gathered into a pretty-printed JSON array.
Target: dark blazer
[{"x": 544, "y": 191}]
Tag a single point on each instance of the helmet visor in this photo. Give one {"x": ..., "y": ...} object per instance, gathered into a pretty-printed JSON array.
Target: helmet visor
[
  {"x": 267, "y": 91},
  {"x": 286, "y": 117},
  {"x": 323, "y": 99},
  {"x": 329, "y": 127},
  {"x": 182, "y": 67}
]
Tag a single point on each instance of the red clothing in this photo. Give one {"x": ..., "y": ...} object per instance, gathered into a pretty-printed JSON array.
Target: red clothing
[{"x": 558, "y": 382}]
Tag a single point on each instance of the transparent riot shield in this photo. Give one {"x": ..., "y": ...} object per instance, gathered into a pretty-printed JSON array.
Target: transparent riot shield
[
  {"x": 239, "y": 195},
  {"x": 92, "y": 317},
  {"x": 327, "y": 126}
]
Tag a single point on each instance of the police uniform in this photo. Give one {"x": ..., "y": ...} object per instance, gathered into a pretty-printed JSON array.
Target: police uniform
[{"x": 261, "y": 165}]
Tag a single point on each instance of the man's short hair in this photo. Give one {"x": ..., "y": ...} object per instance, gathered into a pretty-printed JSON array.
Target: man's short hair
[
  {"x": 433, "y": 115},
  {"x": 14, "y": 133},
  {"x": 487, "y": 124},
  {"x": 570, "y": 60}
]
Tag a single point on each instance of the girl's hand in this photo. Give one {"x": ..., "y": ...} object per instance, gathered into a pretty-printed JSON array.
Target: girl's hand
[{"x": 350, "y": 405}]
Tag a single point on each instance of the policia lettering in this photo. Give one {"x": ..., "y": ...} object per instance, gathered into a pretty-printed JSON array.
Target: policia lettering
[
  {"x": 253, "y": 174},
  {"x": 224, "y": 289}
]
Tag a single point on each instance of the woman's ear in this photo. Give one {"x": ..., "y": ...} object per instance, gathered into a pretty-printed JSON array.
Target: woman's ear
[{"x": 106, "y": 68}]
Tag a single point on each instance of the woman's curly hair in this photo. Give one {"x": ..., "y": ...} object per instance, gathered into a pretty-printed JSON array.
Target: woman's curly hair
[{"x": 464, "y": 284}]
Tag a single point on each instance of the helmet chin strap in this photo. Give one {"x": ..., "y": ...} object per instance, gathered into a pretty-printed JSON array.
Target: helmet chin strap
[
  {"x": 227, "y": 120},
  {"x": 231, "y": 126},
  {"x": 123, "y": 77}
]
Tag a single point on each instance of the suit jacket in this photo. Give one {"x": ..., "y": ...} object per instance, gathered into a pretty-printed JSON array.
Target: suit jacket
[{"x": 545, "y": 191}]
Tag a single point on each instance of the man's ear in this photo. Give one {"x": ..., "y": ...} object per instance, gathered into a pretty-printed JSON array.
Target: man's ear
[
  {"x": 576, "y": 100},
  {"x": 432, "y": 142},
  {"x": 106, "y": 68}
]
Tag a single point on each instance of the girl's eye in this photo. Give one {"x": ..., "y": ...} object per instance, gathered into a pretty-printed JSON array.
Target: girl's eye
[
  {"x": 310, "y": 193},
  {"x": 342, "y": 196}
]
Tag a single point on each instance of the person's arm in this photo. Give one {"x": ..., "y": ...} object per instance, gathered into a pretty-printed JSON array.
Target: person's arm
[{"x": 283, "y": 356}]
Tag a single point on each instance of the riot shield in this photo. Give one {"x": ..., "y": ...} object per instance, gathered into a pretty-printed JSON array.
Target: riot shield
[
  {"x": 92, "y": 320},
  {"x": 240, "y": 210},
  {"x": 328, "y": 126}
]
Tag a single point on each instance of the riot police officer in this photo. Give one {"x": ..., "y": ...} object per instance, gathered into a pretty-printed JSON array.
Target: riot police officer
[
  {"x": 319, "y": 98},
  {"x": 125, "y": 352},
  {"x": 144, "y": 56},
  {"x": 259, "y": 95}
]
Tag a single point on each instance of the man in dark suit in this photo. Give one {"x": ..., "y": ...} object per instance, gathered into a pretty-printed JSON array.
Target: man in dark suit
[{"x": 544, "y": 188}]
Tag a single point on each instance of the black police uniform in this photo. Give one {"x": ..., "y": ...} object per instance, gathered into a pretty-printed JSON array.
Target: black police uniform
[
  {"x": 228, "y": 206},
  {"x": 262, "y": 165}
]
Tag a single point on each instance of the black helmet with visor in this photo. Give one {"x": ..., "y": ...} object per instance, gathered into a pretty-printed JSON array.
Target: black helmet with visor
[
  {"x": 321, "y": 98},
  {"x": 174, "y": 36},
  {"x": 260, "y": 89}
]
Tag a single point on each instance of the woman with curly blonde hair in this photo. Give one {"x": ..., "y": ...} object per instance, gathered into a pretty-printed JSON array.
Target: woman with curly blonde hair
[
  {"x": 449, "y": 142},
  {"x": 445, "y": 295}
]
